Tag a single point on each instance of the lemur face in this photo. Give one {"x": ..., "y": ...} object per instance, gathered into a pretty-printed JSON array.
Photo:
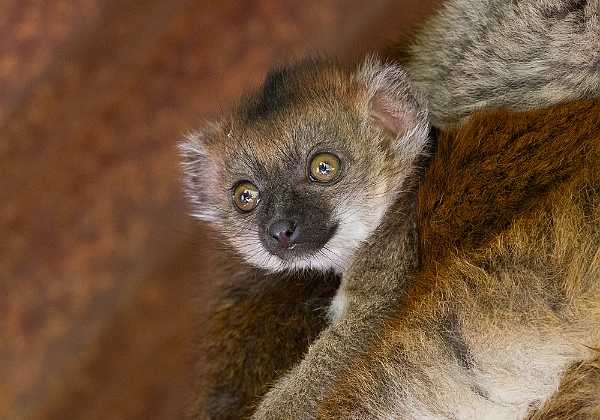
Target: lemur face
[{"x": 303, "y": 170}]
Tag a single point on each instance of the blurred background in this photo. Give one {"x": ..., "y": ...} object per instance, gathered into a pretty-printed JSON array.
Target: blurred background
[{"x": 102, "y": 273}]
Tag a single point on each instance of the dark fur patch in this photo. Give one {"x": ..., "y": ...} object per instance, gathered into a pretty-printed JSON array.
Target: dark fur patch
[
  {"x": 224, "y": 402},
  {"x": 450, "y": 331},
  {"x": 284, "y": 87},
  {"x": 480, "y": 391},
  {"x": 312, "y": 214},
  {"x": 272, "y": 97},
  {"x": 560, "y": 11}
]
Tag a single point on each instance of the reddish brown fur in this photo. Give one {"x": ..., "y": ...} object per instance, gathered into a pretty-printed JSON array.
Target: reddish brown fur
[
  {"x": 255, "y": 332},
  {"x": 500, "y": 167},
  {"x": 489, "y": 197}
]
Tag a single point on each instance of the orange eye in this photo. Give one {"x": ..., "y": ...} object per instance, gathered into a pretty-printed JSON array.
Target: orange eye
[
  {"x": 324, "y": 167},
  {"x": 246, "y": 196}
]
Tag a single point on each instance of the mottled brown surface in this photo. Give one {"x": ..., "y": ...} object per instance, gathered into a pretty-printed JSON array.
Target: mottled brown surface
[{"x": 99, "y": 263}]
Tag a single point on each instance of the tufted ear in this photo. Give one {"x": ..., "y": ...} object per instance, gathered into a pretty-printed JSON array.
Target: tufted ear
[
  {"x": 395, "y": 105},
  {"x": 200, "y": 175}
]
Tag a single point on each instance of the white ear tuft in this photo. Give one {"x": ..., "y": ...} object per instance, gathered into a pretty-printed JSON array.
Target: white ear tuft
[{"x": 200, "y": 173}]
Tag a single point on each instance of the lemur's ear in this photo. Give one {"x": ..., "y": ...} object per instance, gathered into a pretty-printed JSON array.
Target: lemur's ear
[
  {"x": 200, "y": 172},
  {"x": 393, "y": 102}
]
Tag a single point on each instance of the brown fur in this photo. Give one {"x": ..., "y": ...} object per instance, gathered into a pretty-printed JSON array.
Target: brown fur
[
  {"x": 258, "y": 326},
  {"x": 509, "y": 290},
  {"x": 483, "y": 184},
  {"x": 500, "y": 167},
  {"x": 466, "y": 215}
]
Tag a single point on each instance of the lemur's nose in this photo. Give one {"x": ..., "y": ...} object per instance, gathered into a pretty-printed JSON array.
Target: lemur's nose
[{"x": 285, "y": 232}]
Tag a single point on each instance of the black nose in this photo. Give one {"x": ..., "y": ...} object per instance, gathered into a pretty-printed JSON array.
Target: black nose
[{"x": 285, "y": 232}]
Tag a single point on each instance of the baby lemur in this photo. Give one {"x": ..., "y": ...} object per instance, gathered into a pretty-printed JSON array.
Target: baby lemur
[
  {"x": 299, "y": 176},
  {"x": 303, "y": 171},
  {"x": 318, "y": 170}
]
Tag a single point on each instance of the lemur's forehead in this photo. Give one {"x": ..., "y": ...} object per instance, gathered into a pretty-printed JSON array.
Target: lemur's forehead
[
  {"x": 294, "y": 114},
  {"x": 297, "y": 134},
  {"x": 288, "y": 87}
]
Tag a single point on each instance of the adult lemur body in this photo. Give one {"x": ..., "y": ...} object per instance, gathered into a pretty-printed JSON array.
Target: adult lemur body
[
  {"x": 317, "y": 170},
  {"x": 507, "y": 298}
]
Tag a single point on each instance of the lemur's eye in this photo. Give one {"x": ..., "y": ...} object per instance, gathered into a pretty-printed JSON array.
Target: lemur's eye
[
  {"x": 246, "y": 196},
  {"x": 325, "y": 167}
]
